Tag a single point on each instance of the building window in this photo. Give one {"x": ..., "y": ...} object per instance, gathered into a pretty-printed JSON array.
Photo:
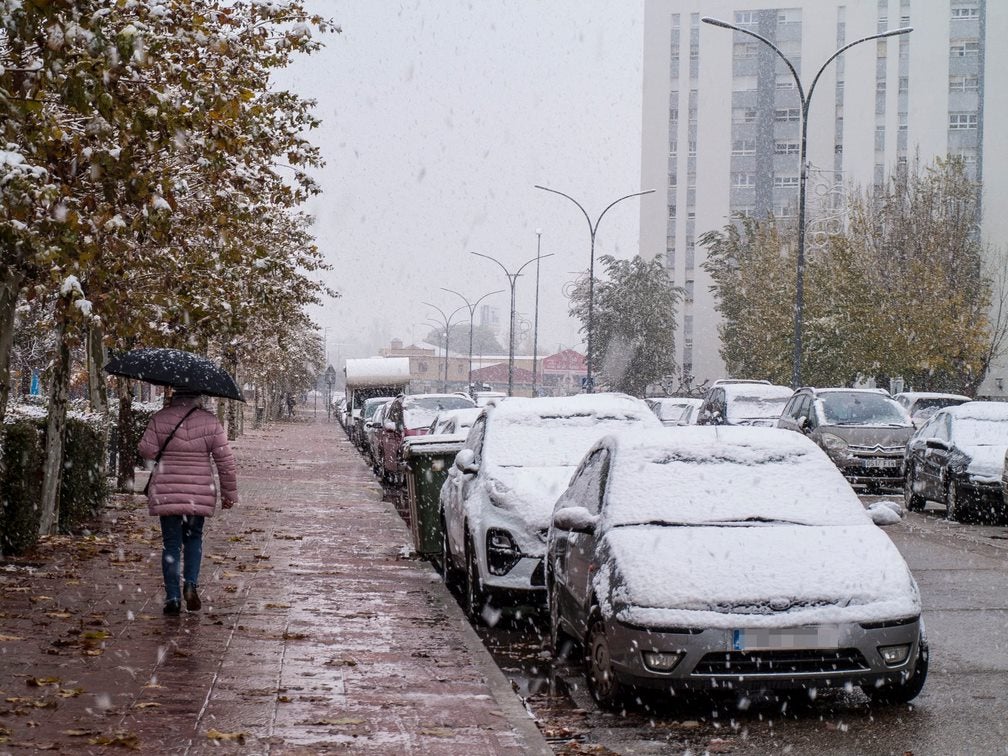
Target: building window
[
  {"x": 692, "y": 147},
  {"x": 788, "y": 16},
  {"x": 904, "y": 83},
  {"x": 743, "y": 180},
  {"x": 787, "y": 114},
  {"x": 746, "y": 17},
  {"x": 673, "y": 115},
  {"x": 671, "y": 211},
  {"x": 959, "y": 13},
  {"x": 745, "y": 49},
  {"x": 785, "y": 182},
  {"x": 744, "y": 115},
  {"x": 744, "y": 84},
  {"x": 880, "y": 86},
  {"x": 672, "y": 179},
  {"x": 964, "y": 48},
  {"x": 744, "y": 147},
  {"x": 785, "y": 82},
  {"x": 964, "y": 83},
  {"x": 785, "y": 148},
  {"x": 962, "y": 121}
]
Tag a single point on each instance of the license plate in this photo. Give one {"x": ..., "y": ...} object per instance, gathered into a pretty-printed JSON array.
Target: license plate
[
  {"x": 770, "y": 639},
  {"x": 880, "y": 462}
]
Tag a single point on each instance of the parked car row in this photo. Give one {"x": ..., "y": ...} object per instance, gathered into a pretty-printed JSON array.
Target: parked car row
[
  {"x": 917, "y": 442},
  {"x": 632, "y": 534}
]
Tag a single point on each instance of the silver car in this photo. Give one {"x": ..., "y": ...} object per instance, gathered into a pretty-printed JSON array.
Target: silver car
[{"x": 728, "y": 558}]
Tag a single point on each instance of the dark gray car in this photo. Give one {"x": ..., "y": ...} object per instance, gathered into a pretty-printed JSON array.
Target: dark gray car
[{"x": 864, "y": 431}]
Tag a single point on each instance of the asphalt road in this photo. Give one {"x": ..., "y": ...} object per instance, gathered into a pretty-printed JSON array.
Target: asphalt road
[{"x": 962, "y": 571}]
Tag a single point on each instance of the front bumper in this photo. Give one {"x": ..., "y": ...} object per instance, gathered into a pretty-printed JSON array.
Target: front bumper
[
  {"x": 816, "y": 656},
  {"x": 868, "y": 468}
]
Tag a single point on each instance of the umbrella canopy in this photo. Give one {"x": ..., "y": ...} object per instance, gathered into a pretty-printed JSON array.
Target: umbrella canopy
[{"x": 176, "y": 368}]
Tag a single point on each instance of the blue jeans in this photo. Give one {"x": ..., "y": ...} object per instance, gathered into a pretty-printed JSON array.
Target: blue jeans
[{"x": 182, "y": 538}]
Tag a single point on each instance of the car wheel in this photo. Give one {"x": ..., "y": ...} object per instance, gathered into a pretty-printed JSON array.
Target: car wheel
[
  {"x": 563, "y": 646},
  {"x": 448, "y": 570},
  {"x": 605, "y": 688},
  {"x": 954, "y": 505},
  {"x": 474, "y": 594},
  {"x": 914, "y": 501},
  {"x": 907, "y": 689}
]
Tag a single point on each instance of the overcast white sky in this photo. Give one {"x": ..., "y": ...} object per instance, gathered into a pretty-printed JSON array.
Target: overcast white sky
[{"x": 439, "y": 116}]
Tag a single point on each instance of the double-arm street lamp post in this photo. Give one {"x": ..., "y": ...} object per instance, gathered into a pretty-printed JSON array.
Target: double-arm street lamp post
[
  {"x": 447, "y": 334},
  {"x": 805, "y": 98},
  {"x": 512, "y": 279},
  {"x": 472, "y": 313},
  {"x": 592, "y": 229}
]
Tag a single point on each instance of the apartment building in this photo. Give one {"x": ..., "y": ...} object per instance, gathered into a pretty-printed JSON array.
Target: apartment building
[{"x": 721, "y": 122}]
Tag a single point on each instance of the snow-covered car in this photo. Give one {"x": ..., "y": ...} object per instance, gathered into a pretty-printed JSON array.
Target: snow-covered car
[
  {"x": 864, "y": 431},
  {"x": 732, "y": 558},
  {"x": 921, "y": 405},
  {"x": 957, "y": 458},
  {"x": 453, "y": 422},
  {"x": 675, "y": 410},
  {"x": 411, "y": 415},
  {"x": 372, "y": 435},
  {"x": 498, "y": 496},
  {"x": 743, "y": 403}
]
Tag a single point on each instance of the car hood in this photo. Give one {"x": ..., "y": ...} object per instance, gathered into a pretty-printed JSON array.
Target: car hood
[
  {"x": 528, "y": 492},
  {"x": 754, "y": 576},
  {"x": 871, "y": 435},
  {"x": 985, "y": 463}
]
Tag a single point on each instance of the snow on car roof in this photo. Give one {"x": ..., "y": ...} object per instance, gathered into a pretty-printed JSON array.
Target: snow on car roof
[
  {"x": 979, "y": 411},
  {"x": 930, "y": 395},
  {"x": 755, "y": 390},
  {"x": 707, "y": 474},
  {"x": 557, "y": 431}
]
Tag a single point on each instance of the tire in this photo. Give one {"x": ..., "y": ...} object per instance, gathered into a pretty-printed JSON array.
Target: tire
[
  {"x": 448, "y": 570},
  {"x": 914, "y": 501},
  {"x": 955, "y": 510},
  {"x": 605, "y": 687},
  {"x": 474, "y": 597},
  {"x": 907, "y": 690},
  {"x": 563, "y": 647}
]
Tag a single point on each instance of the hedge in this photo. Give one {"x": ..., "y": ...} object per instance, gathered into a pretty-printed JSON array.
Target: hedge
[
  {"x": 20, "y": 486},
  {"x": 83, "y": 488}
]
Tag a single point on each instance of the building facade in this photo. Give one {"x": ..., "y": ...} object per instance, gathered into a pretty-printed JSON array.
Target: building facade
[{"x": 721, "y": 123}]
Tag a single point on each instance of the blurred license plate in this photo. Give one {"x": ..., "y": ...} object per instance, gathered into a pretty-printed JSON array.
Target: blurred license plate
[
  {"x": 764, "y": 639},
  {"x": 880, "y": 462}
]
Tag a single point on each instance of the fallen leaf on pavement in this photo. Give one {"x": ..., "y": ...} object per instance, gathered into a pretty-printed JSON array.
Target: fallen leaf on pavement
[
  {"x": 81, "y": 733},
  {"x": 38, "y": 682},
  {"x": 146, "y": 705},
  {"x": 339, "y": 721},
  {"x": 236, "y": 737},
  {"x": 437, "y": 732},
  {"x": 120, "y": 739},
  {"x": 7, "y": 638}
]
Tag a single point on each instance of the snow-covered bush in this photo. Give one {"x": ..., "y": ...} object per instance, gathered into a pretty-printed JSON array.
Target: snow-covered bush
[{"x": 20, "y": 486}]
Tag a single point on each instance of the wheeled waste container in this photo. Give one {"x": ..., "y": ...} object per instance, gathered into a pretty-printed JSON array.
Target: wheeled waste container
[{"x": 427, "y": 461}]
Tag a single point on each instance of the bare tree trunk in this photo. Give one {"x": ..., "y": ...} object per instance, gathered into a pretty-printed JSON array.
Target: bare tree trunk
[
  {"x": 127, "y": 451},
  {"x": 96, "y": 376},
  {"x": 10, "y": 285},
  {"x": 59, "y": 397}
]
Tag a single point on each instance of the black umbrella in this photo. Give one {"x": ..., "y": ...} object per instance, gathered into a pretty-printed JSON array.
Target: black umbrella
[{"x": 173, "y": 367}]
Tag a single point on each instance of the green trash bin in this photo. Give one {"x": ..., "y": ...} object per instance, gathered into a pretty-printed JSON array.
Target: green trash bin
[{"x": 428, "y": 459}]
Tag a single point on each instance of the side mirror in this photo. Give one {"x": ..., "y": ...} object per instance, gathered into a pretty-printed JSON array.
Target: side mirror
[
  {"x": 575, "y": 519},
  {"x": 803, "y": 424},
  {"x": 936, "y": 443},
  {"x": 465, "y": 462},
  {"x": 388, "y": 425}
]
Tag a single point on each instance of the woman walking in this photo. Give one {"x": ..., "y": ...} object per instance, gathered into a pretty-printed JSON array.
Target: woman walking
[{"x": 181, "y": 440}]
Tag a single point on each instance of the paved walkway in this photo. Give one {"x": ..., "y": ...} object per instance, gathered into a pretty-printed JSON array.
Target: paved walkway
[{"x": 320, "y": 633}]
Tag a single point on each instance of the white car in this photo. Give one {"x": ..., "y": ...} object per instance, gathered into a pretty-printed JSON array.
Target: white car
[
  {"x": 498, "y": 496},
  {"x": 676, "y": 410},
  {"x": 733, "y": 558},
  {"x": 454, "y": 422}
]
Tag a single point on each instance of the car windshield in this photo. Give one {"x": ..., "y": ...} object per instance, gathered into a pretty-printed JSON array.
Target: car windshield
[
  {"x": 969, "y": 431},
  {"x": 761, "y": 476},
  {"x": 861, "y": 408},
  {"x": 744, "y": 407},
  {"x": 420, "y": 411},
  {"x": 936, "y": 402}
]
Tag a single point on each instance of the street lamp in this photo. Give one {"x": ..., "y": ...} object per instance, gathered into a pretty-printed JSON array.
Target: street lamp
[
  {"x": 447, "y": 335},
  {"x": 592, "y": 229},
  {"x": 512, "y": 278},
  {"x": 535, "y": 327},
  {"x": 472, "y": 312},
  {"x": 805, "y": 98}
]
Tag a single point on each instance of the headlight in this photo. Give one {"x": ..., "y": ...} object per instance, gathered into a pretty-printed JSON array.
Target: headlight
[
  {"x": 661, "y": 661},
  {"x": 894, "y": 655},
  {"x": 834, "y": 444},
  {"x": 499, "y": 493},
  {"x": 502, "y": 552}
]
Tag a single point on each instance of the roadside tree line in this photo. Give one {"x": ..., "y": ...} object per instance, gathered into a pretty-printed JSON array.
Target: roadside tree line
[{"x": 151, "y": 190}]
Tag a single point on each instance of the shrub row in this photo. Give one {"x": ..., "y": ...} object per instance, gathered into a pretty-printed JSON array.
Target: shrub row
[{"x": 83, "y": 489}]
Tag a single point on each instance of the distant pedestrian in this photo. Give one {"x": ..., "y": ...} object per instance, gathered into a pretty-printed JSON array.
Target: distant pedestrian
[
  {"x": 181, "y": 440},
  {"x": 290, "y": 405}
]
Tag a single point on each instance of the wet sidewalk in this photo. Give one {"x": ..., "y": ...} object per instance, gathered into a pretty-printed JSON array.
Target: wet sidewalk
[{"x": 320, "y": 632}]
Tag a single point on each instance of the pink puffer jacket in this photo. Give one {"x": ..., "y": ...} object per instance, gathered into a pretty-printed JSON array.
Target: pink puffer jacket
[{"x": 183, "y": 483}]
